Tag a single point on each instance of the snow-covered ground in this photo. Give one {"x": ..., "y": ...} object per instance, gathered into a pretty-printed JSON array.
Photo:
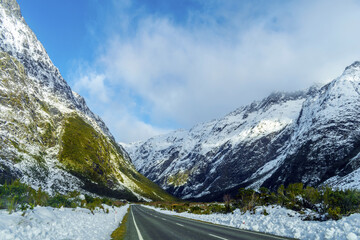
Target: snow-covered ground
[
  {"x": 283, "y": 222},
  {"x": 65, "y": 223}
]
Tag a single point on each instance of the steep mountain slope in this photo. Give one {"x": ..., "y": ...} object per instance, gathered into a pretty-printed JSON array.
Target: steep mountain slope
[
  {"x": 49, "y": 137},
  {"x": 325, "y": 145},
  {"x": 221, "y": 154},
  {"x": 311, "y": 137}
]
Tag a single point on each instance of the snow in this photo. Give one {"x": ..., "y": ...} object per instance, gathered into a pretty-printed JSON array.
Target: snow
[
  {"x": 17, "y": 39},
  {"x": 65, "y": 223},
  {"x": 200, "y": 147},
  {"x": 283, "y": 222},
  {"x": 51, "y": 101},
  {"x": 350, "y": 181},
  {"x": 326, "y": 117}
]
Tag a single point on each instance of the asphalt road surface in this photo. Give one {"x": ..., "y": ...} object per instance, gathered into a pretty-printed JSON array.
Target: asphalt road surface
[{"x": 147, "y": 224}]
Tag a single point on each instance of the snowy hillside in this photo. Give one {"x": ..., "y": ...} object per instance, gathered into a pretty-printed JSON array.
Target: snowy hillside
[
  {"x": 311, "y": 137},
  {"x": 325, "y": 145},
  {"x": 49, "y": 137},
  {"x": 222, "y": 153}
]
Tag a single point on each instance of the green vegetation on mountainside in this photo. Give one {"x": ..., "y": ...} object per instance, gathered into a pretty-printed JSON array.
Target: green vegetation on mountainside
[
  {"x": 179, "y": 179},
  {"x": 87, "y": 152},
  {"x": 35, "y": 131},
  {"x": 90, "y": 155}
]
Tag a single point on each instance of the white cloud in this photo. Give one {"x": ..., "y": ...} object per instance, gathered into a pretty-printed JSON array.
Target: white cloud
[
  {"x": 128, "y": 127},
  {"x": 94, "y": 84},
  {"x": 195, "y": 72}
]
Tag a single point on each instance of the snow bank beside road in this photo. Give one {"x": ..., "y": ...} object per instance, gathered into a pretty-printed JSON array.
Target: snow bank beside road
[
  {"x": 283, "y": 222},
  {"x": 65, "y": 223}
]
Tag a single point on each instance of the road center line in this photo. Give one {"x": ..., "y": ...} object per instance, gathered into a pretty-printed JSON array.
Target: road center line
[
  {"x": 222, "y": 226},
  {"x": 217, "y": 236},
  {"x": 179, "y": 224},
  {"x": 137, "y": 229}
]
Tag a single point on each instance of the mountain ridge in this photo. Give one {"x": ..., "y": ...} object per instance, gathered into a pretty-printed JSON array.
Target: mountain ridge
[
  {"x": 255, "y": 145},
  {"x": 206, "y": 144},
  {"x": 50, "y": 138}
]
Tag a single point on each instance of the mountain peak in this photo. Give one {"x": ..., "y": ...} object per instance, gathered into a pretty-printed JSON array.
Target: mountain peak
[
  {"x": 12, "y": 6},
  {"x": 41, "y": 119},
  {"x": 354, "y": 65}
]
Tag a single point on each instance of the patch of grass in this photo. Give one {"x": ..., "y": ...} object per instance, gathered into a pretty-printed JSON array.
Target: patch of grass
[
  {"x": 119, "y": 233},
  {"x": 48, "y": 137},
  {"x": 85, "y": 151},
  {"x": 88, "y": 154},
  {"x": 18, "y": 159},
  {"x": 44, "y": 106},
  {"x": 15, "y": 145},
  {"x": 151, "y": 190},
  {"x": 178, "y": 179}
]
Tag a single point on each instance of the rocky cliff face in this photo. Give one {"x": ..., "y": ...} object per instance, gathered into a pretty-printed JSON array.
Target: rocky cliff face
[
  {"x": 49, "y": 137},
  {"x": 310, "y": 137},
  {"x": 325, "y": 145},
  {"x": 222, "y": 154}
]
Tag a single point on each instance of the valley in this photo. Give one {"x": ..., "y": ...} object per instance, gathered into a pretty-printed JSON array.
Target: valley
[{"x": 286, "y": 166}]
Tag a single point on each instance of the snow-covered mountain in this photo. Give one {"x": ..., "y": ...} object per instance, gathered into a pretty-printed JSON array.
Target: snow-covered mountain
[
  {"x": 310, "y": 136},
  {"x": 325, "y": 145},
  {"x": 49, "y": 136}
]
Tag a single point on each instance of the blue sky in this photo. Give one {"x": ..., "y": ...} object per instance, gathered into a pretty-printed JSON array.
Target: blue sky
[
  {"x": 151, "y": 66},
  {"x": 62, "y": 27}
]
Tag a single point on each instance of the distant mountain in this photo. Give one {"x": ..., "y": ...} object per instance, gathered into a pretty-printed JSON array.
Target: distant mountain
[
  {"x": 308, "y": 136},
  {"x": 49, "y": 136}
]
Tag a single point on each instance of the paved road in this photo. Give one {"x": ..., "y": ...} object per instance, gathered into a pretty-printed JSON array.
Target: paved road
[{"x": 147, "y": 224}]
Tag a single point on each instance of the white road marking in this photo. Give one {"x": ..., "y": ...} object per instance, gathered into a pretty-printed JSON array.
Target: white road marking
[
  {"x": 217, "y": 236},
  {"x": 179, "y": 224},
  {"x": 137, "y": 229},
  {"x": 223, "y": 226},
  {"x": 163, "y": 219}
]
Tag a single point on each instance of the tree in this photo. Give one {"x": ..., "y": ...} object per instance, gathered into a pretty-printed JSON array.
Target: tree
[{"x": 227, "y": 201}]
